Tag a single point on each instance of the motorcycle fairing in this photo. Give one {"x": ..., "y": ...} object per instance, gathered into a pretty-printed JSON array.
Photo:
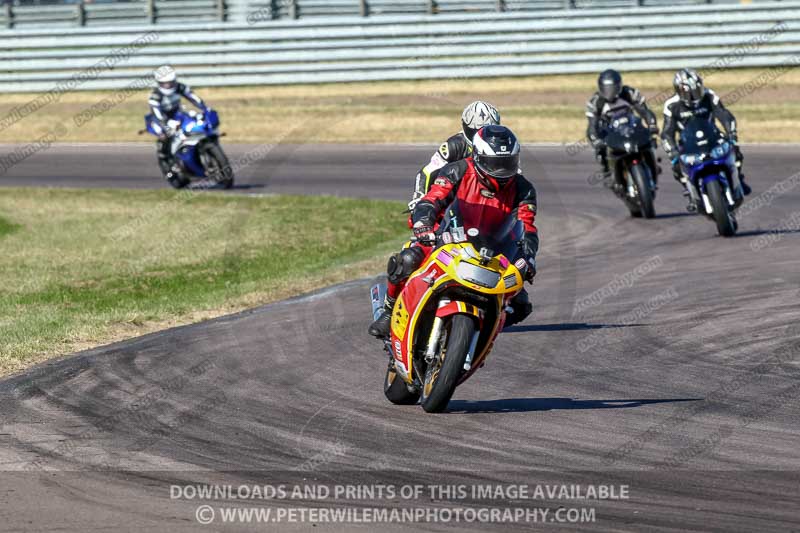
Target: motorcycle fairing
[{"x": 440, "y": 269}]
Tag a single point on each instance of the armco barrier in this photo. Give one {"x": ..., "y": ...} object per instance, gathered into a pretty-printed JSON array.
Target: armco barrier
[{"x": 341, "y": 49}]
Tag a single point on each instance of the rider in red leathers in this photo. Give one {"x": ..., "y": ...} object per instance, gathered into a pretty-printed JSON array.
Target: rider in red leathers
[{"x": 488, "y": 187}]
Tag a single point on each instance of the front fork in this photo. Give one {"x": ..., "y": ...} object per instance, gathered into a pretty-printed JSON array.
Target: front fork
[{"x": 435, "y": 337}]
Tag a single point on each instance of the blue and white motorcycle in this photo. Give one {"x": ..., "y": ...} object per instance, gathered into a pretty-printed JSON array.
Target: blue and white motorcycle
[
  {"x": 195, "y": 147},
  {"x": 708, "y": 160}
]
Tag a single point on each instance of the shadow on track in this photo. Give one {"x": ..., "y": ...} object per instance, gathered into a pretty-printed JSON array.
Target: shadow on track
[
  {"x": 757, "y": 232},
  {"x": 565, "y": 326},
  {"x": 676, "y": 215},
  {"x": 526, "y": 405},
  {"x": 200, "y": 187}
]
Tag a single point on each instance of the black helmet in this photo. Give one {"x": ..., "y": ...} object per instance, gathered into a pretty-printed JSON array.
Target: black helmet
[
  {"x": 688, "y": 86},
  {"x": 496, "y": 153},
  {"x": 609, "y": 84}
]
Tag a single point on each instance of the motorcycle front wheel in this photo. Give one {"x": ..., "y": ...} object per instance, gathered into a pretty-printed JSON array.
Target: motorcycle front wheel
[
  {"x": 443, "y": 373},
  {"x": 726, "y": 223},
  {"x": 220, "y": 170},
  {"x": 641, "y": 176}
]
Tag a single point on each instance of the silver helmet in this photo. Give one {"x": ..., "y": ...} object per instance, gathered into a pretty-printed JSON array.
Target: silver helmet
[
  {"x": 688, "y": 86},
  {"x": 477, "y": 115},
  {"x": 167, "y": 79}
]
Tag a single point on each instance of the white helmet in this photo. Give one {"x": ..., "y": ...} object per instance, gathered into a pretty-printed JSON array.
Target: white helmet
[
  {"x": 477, "y": 115},
  {"x": 167, "y": 79}
]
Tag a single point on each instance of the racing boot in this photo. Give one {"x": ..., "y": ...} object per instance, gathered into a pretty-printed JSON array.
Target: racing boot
[
  {"x": 520, "y": 308},
  {"x": 690, "y": 205},
  {"x": 745, "y": 187},
  {"x": 380, "y": 328},
  {"x": 739, "y": 160},
  {"x": 174, "y": 177}
]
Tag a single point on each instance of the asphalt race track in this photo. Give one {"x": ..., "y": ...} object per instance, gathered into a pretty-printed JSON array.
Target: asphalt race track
[{"x": 678, "y": 380}]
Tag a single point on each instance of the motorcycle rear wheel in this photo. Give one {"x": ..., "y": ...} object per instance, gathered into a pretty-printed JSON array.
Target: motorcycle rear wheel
[
  {"x": 396, "y": 390},
  {"x": 442, "y": 375}
]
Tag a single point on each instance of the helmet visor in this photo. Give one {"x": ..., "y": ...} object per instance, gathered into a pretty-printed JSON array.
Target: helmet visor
[
  {"x": 498, "y": 166},
  {"x": 689, "y": 94},
  {"x": 610, "y": 91}
]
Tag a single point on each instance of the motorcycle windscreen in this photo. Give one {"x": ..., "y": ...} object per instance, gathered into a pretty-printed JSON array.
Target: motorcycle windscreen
[
  {"x": 626, "y": 128},
  {"x": 502, "y": 238},
  {"x": 699, "y": 137}
]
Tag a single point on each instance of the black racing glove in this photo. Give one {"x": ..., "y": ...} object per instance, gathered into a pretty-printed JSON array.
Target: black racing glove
[
  {"x": 530, "y": 272},
  {"x": 527, "y": 265},
  {"x": 654, "y": 136},
  {"x": 424, "y": 233}
]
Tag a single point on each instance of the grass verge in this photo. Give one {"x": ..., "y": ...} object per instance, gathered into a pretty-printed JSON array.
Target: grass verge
[
  {"x": 541, "y": 108},
  {"x": 87, "y": 267},
  {"x": 7, "y": 227}
]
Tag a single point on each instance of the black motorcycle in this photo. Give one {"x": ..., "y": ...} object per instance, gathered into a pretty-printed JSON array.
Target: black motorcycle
[{"x": 633, "y": 167}]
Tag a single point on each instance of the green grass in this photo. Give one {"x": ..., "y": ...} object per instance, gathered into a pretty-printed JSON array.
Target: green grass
[
  {"x": 87, "y": 267},
  {"x": 538, "y": 108},
  {"x": 7, "y": 227}
]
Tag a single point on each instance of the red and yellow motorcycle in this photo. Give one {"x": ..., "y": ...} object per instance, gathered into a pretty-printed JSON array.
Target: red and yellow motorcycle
[{"x": 450, "y": 312}]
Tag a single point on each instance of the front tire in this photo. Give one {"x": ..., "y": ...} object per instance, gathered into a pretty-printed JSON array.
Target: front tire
[
  {"x": 726, "y": 224},
  {"x": 442, "y": 375},
  {"x": 641, "y": 176},
  {"x": 220, "y": 170},
  {"x": 396, "y": 390}
]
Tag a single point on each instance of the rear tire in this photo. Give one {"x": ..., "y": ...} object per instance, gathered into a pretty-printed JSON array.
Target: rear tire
[
  {"x": 726, "y": 224},
  {"x": 223, "y": 173},
  {"x": 395, "y": 389},
  {"x": 641, "y": 176},
  {"x": 441, "y": 379}
]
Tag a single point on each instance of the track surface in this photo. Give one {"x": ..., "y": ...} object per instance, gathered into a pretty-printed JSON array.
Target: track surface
[{"x": 693, "y": 402}]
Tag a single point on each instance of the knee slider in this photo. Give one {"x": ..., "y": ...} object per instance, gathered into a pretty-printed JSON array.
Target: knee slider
[{"x": 403, "y": 264}]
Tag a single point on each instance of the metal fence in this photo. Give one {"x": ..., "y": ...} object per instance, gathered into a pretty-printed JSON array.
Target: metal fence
[
  {"x": 337, "y": 49},
  {"x": 116, "y": 13}
]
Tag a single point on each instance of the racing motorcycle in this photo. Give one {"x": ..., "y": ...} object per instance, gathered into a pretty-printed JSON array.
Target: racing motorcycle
[
  {"x": 196, "y": 147},
  {"x": 447, "y": 317},
  {"x": 628, "y": 140},
  {"x": 708, "y": 161}
]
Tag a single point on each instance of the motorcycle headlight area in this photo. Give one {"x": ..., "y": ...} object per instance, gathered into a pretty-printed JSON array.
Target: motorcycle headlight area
[
  {"x": 690, "y": 159},
  {"x": 718, "y": 152},
  {"x": 478, "y": 275}
]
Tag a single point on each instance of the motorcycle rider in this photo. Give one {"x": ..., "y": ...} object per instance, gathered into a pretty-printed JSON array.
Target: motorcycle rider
[
  {"x": 693, "y": 100},
  {"x": 613, "y": 97},
  {"x": 165, "y": 102},
  {"x": 475, "y": 116},
  {"x": 488, "y": 187}
]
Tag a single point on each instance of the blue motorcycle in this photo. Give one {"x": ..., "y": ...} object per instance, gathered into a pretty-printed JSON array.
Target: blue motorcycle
[
  {"x": 195, "y": 148},
  {"x": 708, "y": 161}
]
